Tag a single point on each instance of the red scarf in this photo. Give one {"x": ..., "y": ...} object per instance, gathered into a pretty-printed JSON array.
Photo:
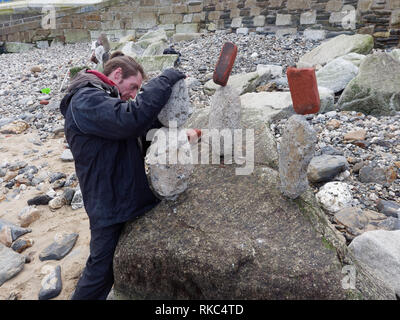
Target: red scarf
[{"x": 102, "y": 77}]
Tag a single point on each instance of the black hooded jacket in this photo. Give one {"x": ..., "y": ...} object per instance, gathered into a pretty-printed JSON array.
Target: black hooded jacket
[{"x": 106, "y": 137}]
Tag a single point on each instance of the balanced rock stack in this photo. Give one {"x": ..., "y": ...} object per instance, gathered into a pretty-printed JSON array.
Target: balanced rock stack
[
  {"x": 225, "y": 111},
  {"x": 169, "y": 158}
]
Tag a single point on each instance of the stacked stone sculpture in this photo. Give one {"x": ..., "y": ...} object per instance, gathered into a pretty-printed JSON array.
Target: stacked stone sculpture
[{"x": 169, "y": 158}]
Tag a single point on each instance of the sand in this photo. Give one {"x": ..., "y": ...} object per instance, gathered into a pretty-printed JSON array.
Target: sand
[{"x": 26, "y": 284}]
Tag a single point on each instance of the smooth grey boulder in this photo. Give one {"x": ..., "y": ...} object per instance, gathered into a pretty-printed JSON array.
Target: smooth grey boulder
[
  {"x": 11, "y": 263},
  {"x": 240, "y": 239},
  {"x": 336, "y": 74},
  {"x": 178, "y": 108},
  {"x": 376, "y": 88},
  {"x": 51, "y": 283},
  {"x": 337, "y": 47},
  {"x": 297, "y": 148},
  {"x": 62, "y": 245},
  {"x": 325, "y": 167},
  {"x": 380, "y": 251}
]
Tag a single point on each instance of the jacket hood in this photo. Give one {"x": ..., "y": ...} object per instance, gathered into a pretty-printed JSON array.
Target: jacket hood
[{"x": 87, "y": 78}]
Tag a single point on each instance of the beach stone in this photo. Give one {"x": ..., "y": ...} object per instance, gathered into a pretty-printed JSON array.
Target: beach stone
[
  {"x": 12, "y": 229},
  {"x": 178, "y": 108},
  {"x": 68, "y": 195},
  {"x": 170, "y": 162},
  {"x": 376, "y": 88},
  {"x": 51, "y": 283},
  {"x": 336, "y": 74},
  {"x": 62, "y": 245},
  {"x": 20, "y": 245},
  {"x": 357, "y": 220},
  {"x": 155, "y": 48},
  {"x": 67, "y": 156},
  {"x": 57, "y": 203},
  {"x": 355, "y": 135},
  {"x": 325, "y": 167},
  {"x": 337, "y": 47},
  {"x": 225, "y": 115},
  {"x": 380, "y": 251},
  {"x": 11, "y": 263},
  {"x": 389, "y": 208},
  {"x": 28, "y": 215},
  {"x": 334, "y": 196},
  {"x": 39, "y": 200},
  {"x": 56, "y": 176},
  {"x": 297, "y": 148},
  {"x": 371, "y": 174},
  {"x": 77, "y": 200},
  {"x": 15, "y": 127}
]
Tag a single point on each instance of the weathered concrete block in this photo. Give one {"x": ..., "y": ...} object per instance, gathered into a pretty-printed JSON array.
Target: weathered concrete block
[
  {"x": 298, "y": 4},
  {"x": 259, "y": 21},
  {"x": 309, "y": 17},
  {"x": 236, "y": 22},
  {"x": 283, "y": 19},
  {"x": 171, "y": 18},
  {"x": 187, "y": 28},
  {"x": 144, "y": 20}
]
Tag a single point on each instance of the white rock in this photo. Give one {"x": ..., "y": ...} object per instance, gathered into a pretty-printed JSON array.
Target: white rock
[
  {"x": 274, "y": 70},
  {"x": 335, "y": 196}
]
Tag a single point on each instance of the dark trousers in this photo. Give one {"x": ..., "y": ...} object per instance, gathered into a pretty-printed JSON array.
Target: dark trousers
[{"x": 97, "y": 278}]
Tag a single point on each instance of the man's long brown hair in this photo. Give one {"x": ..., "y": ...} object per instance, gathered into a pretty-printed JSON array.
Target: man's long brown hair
[{"x": 127, "y": 64}]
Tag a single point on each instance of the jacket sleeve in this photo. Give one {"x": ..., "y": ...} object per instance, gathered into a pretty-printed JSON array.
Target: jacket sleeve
[{"x": 96, "y": 113}]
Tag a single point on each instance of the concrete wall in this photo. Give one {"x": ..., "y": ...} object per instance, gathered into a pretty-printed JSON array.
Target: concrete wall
[{"x": 316, "y": 18}]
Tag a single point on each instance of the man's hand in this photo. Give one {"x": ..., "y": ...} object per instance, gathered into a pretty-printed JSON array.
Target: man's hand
[{"x": 173, "y": 75}]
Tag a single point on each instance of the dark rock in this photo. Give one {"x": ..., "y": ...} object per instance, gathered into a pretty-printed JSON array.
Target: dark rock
[
  {"x": 325, "y": 168},
  {"x": 51, "y": 283},
  {"x": 240, "y": 239},
  {"x": 329, "y": 150},
  {"x": 56, "y": 176},
  {"x": 69, "y": 195},
  {"x": 389, "y": 208},
  {"x": 370, "y": 174},
  {"x": 39, "y": 200},
  {"x": 59, "y": 248}
]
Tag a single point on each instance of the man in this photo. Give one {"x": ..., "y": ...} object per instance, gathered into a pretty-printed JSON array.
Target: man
[{"x": 106, "y": 134}]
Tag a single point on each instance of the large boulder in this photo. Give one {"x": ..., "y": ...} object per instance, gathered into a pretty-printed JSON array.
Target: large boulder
[
  {"x": 235, "y": 237},
  {"x": 157, "y": 63},
  {"x": 376, "y": 88},
  {"x": 17, "y": 47},
  {"x": 380, "y": 251},
  {"x": 336, "y": 47}
]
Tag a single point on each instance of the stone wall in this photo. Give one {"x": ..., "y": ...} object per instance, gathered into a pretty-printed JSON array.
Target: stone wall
[{"x": 317, "y": 19}]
